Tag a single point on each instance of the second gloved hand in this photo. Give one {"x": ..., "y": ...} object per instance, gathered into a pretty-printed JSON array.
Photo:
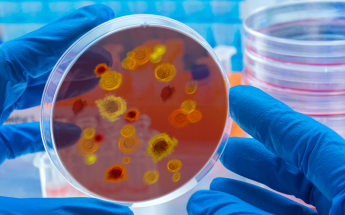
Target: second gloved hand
[{"x": 291, "y": 153}]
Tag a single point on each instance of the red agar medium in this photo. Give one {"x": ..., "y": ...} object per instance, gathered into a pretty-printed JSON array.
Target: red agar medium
[{"x": 160, "y": 130}]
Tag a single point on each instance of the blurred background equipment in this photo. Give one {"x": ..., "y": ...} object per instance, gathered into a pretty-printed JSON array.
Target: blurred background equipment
[{"x": 295, "y": 52}]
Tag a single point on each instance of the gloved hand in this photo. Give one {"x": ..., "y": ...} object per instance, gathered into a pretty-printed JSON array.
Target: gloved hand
[
  {"x": 25, "y": 64},
  {"x": 291, "y": 153}
]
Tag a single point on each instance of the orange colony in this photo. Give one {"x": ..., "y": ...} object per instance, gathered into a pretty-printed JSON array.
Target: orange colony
[
  {"x": 160, "y": 146},
  {"x": 191, "y": 86},
  {"x": 126, "y": 160},
  {"x": 116, "y": 173},
  {"x": 131, "y": 115},
  {"x": 165, "y": 72},
  {"x": 188, "y": 106},
  {"x": 174, "y": 165},
  {"x": 178, "y": 119},
  {"x": 194, "y": 116},
  {"x": 88, "y": 133},
  {"x": 87, "y": 146},
  {"x": 128, "y": 63},
  {"x": 101, "y": 69},
  {"x": 128, "y": 130},
  {"x": 141, "y": 54},
  {"x": 176, "y": 177},
  {"x": 128, "y": 145},
  {"x": 151, "y": 177},
  {"x": 111, "y": 81}
]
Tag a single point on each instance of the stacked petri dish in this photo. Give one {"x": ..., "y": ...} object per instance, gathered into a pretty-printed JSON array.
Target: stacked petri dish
[{"x": 296, "y": 53}]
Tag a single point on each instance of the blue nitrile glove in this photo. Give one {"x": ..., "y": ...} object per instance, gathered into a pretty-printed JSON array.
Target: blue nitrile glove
[
  {"x": 291, "y": 153},
  {"x": 25, "y": 64}
]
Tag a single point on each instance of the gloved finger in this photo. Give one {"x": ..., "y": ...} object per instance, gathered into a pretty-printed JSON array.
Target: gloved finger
[
  {"x": 65, "y": 134},
  {"x": 249, "y": 158},
  {"x": 35, "y": 54},
  {"x": 313, "y": 148},
  {"x": 24, "y": 138},
  {"x": 80, "y": 80},
  {"x": 70, "y": 206},
  {"x": 260, "y": 197},
  {"x": 83, "y": 69},
  {"x": 208, "y": 202}
]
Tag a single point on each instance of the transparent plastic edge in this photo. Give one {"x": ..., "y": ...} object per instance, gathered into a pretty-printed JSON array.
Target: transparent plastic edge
[
  {"x": 55, "y": 73},
  {"x": 288, "y": 41}
]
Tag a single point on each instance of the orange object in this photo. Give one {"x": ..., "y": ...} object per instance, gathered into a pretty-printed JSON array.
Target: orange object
[
  {"x": 191, "y": 86},
  {"x": 141, "y": 54},
  {"x": 194, "y": 116},
  {"x": 132, "y": 115},
  {"x": 176, "y": 177},
  {"x": 127, "y": 130},
  {"x": 174, "y": 165},
  {"x": 165, "y": 72},
  {"x": 128, "y": 145},
  {"x": 188, "y": 106},
  {"x": 116, "y": 173},
  {"x": 101, "y": 69},
  {"x": 126, "y": 160},
  {"x": 87, "y": 146},
  {"x": 128, "y": 63},
  {"x": 178, "y": 119},
  {"x": 151, "y": 177},
  {"x": 111, "y": 81},
  {"x": 89, "y": 132}
]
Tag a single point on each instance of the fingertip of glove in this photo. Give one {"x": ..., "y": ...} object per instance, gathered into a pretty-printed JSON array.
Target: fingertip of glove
[{"x": 216, "y": 183}]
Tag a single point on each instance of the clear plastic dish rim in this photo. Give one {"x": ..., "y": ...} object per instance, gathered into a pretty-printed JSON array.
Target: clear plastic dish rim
[
  {"x": 292, "y": 66},
  {"x": 66, "y": 61},
  {"x": 253, "y": 81},
  {"x": 257, "y": 34}
]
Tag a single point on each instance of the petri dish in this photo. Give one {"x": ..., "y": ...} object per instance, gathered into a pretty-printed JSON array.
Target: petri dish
[
  {"x": 297, "y": 45},
  {"x": 136, "y": 111}
]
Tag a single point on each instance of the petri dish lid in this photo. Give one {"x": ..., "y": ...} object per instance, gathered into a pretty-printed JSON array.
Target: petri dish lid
[
  {"x": 136, "y": 111},
  {"x": 299, "y": 32}
]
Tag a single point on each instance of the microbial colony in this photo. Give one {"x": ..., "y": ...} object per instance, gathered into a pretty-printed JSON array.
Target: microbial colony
[{"x": 146, "y": 109}]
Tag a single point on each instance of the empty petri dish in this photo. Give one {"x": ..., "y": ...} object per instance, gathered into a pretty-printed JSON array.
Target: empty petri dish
[{"x": 136, "y": 111}]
